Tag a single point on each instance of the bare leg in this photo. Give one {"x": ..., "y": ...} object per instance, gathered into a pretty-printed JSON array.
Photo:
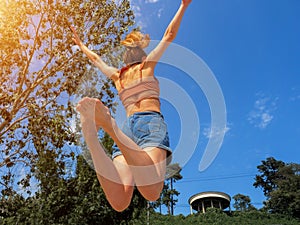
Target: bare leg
[
  {"x": 119, "y": 194},
  {"x": 115, "y": 176},
  {"x": 148, "y": 166}
]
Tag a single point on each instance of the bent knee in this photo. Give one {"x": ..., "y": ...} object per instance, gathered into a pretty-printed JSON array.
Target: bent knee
[
  {"x": 120, "y": 200},
  {"x": 119, "y": 204},
  {"x": 120, "y": 207},
  {"x": 151, "y": 192},
  {"x": 152, "y": 197}
]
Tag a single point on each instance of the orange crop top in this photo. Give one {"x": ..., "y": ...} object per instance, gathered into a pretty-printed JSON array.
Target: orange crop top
[{"x": 146, "y": 88}]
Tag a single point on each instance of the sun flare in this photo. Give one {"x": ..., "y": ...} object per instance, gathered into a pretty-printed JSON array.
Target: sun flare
[{"x": 2, "y": 6}]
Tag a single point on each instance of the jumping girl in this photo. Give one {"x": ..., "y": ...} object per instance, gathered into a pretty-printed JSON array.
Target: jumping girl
[{"x": 141, "y": 150}]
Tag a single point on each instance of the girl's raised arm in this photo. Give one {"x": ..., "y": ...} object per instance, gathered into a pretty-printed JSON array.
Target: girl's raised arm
[
  {"x": 169, "y": 35},
  {"x": 96, "y": 59}
]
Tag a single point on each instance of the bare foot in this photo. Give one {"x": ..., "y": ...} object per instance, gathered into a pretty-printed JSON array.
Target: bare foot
[
  {"x": 86, "y": 108},
  {"x": 103, "y": 118},
  {"x": 92, "y": 111}
]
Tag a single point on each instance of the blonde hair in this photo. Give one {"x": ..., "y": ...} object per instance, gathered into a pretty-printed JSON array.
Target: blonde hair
[
  {"x": 135, "y": 42},
  {"x": 136, "y": 39}
]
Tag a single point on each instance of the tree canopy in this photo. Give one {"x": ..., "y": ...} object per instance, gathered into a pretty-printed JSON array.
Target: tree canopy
[
  {"x": 40, "y": 72},
  {"x": 242, "y": 203},
  {"x": 280, "y": 182},
  {"x": 43, "y": 178}
]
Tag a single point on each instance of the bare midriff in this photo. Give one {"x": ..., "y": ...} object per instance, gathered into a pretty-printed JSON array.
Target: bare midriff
[{"x": 143, "y": 106}]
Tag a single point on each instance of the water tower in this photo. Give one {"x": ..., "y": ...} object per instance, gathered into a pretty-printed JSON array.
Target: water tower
[{"x": 211, "y": 199}]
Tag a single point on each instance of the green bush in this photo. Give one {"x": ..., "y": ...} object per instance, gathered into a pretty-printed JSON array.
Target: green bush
[{"x": 217, "y": 217}]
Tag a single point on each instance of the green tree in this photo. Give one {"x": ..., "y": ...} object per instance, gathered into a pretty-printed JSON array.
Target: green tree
[
  {"x": 242, "y": 203},
  {"x": 269, "y": 175},
  {"x": 286, "y": 198},
  {"x": 217, "y": 217},
  {"x": 76, "y": 200},
  {"x": 168, "y": 192},
  {"x": 40, "y": 71},
  {"x": 280, "y": 182}
]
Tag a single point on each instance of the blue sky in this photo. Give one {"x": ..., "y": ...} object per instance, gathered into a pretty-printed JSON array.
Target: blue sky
[{"x": 253, "y": 49}]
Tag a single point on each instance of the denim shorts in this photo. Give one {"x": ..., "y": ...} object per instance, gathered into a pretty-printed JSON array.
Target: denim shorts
[{"x": 146, "y": 129}]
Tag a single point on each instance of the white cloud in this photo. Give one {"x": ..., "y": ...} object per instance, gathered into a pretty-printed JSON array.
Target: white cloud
[
  {"x": 210, "y": 132},
  {"x": 136, "y": 7},
  {"x": 151, "y": 1},
  {"x": 263, "y": 113},
  {"x": 295, "y": 98},
  {"x": 159, "y": 13},
  {"x": 73, "y": 124},
  {"x": 140, "y": 8},
  {"x": 137, "y": 10},
  {"x": 295, "y": 94},
  {"x": 21, "y": 173}
]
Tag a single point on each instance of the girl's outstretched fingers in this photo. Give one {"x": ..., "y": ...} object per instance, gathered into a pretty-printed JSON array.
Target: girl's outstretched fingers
[{"x": 76, "y": 38}]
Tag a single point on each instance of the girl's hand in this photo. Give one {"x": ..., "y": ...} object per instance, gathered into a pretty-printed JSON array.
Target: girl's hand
[
  {"x": 76, "y": 38},
  {"x": 186, "y": 2}
]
